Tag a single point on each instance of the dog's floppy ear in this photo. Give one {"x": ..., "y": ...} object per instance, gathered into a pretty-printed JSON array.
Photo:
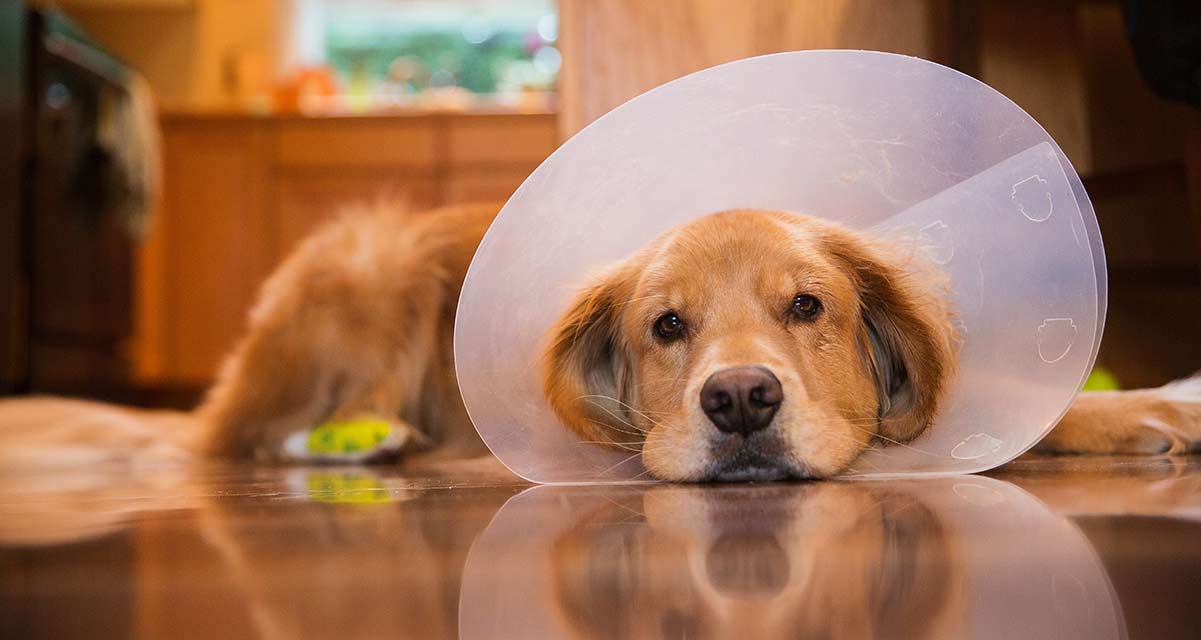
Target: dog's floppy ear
[
  {"x": 905, "y": 335},
  {"x": 585, "y": 367}
]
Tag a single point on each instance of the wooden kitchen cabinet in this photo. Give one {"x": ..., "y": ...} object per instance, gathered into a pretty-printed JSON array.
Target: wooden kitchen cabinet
[
  {"x": 305, "y": 199},
  {"x": 240, "y": 191},
  {"x": 207, "y": 249}
]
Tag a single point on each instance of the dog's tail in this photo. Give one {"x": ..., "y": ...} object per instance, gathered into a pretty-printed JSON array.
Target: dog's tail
[
  {"x": 44, "y": 432},
  {"x": 1162, "y": 420}
]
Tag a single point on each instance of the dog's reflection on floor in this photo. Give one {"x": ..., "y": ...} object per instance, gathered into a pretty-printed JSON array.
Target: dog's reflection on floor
[
  {"x": 945, "y": 557},
  {"x": 823, "y": 561}
]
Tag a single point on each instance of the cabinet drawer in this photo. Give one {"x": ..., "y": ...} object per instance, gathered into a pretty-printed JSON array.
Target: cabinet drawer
[
  {"x": 500, "y": 139},
  {"x": 306, "y": 199},
  {"x": 407, "y": 143}
]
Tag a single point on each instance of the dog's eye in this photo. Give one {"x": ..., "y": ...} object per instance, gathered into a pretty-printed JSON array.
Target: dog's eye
[
  {"x": 669, "y": 326},
  {"x": 805, "y": 307}
]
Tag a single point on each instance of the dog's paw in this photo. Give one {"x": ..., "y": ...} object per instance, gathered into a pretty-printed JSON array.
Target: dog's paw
[
  {"x": 1161, "y": 421},
  {"x": 1173, "y": 425},
  {"x": 1153, "y": 436},
  {"x": 358, "y": 441}
]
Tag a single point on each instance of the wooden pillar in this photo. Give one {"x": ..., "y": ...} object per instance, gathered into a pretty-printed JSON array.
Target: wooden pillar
[{"x": 615, "y": 49}]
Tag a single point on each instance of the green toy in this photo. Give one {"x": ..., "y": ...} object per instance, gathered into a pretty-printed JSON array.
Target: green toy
[
  {"x": 348, "y": 437},
  {"x": 1101, "y": 379}
]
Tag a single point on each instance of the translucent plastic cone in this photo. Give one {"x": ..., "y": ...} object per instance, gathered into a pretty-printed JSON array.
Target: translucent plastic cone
[{"x": 896, "y": 146}]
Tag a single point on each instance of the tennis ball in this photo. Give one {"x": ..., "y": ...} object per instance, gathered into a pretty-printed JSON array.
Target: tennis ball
[{"x": 1101, "y": 379}]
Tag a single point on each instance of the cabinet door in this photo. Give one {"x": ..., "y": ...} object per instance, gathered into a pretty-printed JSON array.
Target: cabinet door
[
  {"x": 212, "y": 240},
  {"x": 323, "y": 167},
  {"x": 488, "y": 157},
  {"x": 304, "y": 198},
  {"x": 465, "y": 185}
]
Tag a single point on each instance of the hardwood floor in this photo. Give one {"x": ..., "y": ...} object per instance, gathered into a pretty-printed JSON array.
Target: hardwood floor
[{"x": 1046, "y": 547}]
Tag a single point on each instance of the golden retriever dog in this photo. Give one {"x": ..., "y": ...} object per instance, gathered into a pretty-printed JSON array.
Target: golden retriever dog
[
  {"x": 763, "y": 345},
  {"x": 744, "y": 345}
]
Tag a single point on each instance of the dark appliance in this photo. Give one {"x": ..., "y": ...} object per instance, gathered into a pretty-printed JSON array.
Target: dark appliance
[{"x": 65, "y": 253}]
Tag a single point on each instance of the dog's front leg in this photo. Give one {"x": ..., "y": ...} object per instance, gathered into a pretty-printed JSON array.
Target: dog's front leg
[
  {"x": 365, "y": 428},
  {"x": 1165, "y": 420}
]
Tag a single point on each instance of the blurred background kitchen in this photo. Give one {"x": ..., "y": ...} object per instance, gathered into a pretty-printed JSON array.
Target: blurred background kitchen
[{"x": 161, "y": 156}]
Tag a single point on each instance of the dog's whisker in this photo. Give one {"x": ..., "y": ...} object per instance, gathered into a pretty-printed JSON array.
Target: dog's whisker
[
  {"x": 636, "y": 430},
  {"x": 614, "y": 445},
  {"x": 623, "y": 461},
  {"x": 627, "y": 405},
  {"x": 591, "y": 399},
  {"x": 619, "y": 418},
  {"x": 639, "y": 476},
  {"x": 602, "y": 425},
  {"x": 897, "y": 442}
]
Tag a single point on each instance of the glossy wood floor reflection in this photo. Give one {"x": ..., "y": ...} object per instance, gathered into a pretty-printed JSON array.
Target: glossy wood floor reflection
[{"x": 1050, "y": 547}]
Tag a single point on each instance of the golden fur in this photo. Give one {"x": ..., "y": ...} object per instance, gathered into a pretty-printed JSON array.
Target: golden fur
[
  {"x": 359, "y": 319},
  {"x": 872, "y": 364}
]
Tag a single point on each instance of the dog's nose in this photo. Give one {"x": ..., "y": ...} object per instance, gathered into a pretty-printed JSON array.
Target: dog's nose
[{"x": 741, "y": 399}]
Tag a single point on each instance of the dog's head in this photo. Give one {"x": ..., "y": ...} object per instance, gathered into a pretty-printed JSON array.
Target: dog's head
[{"x": 752, "y": 345}]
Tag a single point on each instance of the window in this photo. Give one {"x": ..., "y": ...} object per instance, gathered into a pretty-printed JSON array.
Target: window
[{"x": 431, "y": 52}]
